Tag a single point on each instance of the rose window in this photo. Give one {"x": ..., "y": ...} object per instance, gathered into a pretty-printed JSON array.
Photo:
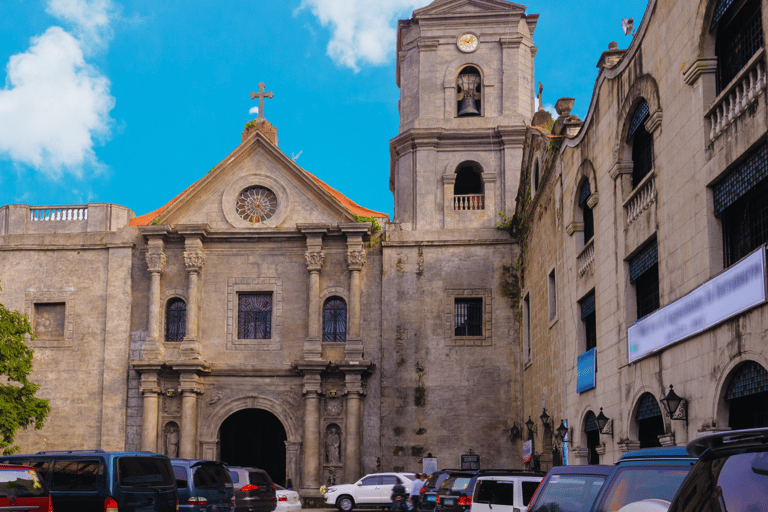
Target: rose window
[{"x": 256, "y": 204}]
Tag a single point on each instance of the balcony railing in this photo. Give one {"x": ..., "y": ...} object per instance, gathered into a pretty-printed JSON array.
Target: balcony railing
[
  {"x": 742, "y": 92},
  {"x": 586, "y": 258},
  {"x": 469, "y": 202},
  {"x": 58, "y": 213},
  {"x": 641, "y": 199}
]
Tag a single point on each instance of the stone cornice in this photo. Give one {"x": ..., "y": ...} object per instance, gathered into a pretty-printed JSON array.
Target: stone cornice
[
  {"x": 698, "y": 68},
  {"x": 428, "y": 44},
  {"x": 621, "y": 167},
  {"x": 654, "y": 121},
  {"x": 193, "y": 230}
]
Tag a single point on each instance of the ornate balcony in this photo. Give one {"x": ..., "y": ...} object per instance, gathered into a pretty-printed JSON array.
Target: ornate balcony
[
  {"x": 641, "y": 198},
  {"x": 58, "y": 213},
  {"x": 586, "y": 258},
  {"x": 469, "y": 202}
]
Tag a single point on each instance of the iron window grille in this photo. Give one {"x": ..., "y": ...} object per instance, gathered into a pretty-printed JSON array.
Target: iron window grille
[
  {"x": 586, "y": 212},
  {"x": 468, "y": 316},
  {"x": 254, "y": 316},
  {"x": 739, "y": 37},
  {"x": 642, "y": 144},
  {"x": 335, "y": 320},
  {"x": 644, "y": 274},
  {"x": 745, "y": 223},
  {"x": 650, "y": 423},
  {"x": 175, "y": 320},
  {"x": 747, "y": 397},
  {"x": 589, "y": 319}
]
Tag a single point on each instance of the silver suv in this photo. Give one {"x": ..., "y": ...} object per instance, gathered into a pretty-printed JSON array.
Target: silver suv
[{"x": 372, "y": 490}]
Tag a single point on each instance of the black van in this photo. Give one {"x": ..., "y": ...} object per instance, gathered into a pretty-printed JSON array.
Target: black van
[{"x": 101, "y": 481}]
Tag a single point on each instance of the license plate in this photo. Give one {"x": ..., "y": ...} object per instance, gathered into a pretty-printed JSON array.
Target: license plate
[
  {"x": 449, "y": 503},
  {"x": 430, "y": 498}
]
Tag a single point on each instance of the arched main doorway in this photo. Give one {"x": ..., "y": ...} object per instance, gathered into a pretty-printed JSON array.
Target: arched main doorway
[{"x": 256, "y": 438}]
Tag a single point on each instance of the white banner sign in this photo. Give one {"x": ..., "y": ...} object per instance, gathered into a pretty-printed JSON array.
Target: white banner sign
[{"x": 737, "y": 289}]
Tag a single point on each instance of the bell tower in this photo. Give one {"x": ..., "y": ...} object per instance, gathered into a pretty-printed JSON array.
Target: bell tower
[{"x": 465, "y": 69}]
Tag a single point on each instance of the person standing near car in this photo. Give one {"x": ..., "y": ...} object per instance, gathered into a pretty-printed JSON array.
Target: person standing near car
[{"x": 416, "y": 487}]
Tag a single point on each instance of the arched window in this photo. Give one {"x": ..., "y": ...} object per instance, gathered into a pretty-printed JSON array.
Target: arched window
[
  {"x": 175, "y": 319},
  {"x": 747, "y": 397},
  {"x": 592, "y": 432},
  {"x": 468, "y": 190},
  {"x": 335, "y": 320},
  {"x": 469, "y": 92},
  {"x": 650, "y": 423},
  {"x": 586, "y": 212},
  {"x": 642, "y": 144},
  {"x": 739, "y": 36}
]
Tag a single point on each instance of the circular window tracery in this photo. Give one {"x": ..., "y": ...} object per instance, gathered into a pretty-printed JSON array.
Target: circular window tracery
[{"x": 256, "y": 204}]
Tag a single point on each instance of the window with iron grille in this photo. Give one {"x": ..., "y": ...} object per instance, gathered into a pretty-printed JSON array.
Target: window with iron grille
[
  {"x": 589, "y": 319},
  {"x": 468, "y": 316},
  {"x": 254, "y": 316},
  {"x": 741, "y": 200},
  {"x": 642, "y": 143},
  {"x": 335, "y": 320},
  {"x": 175, "y": 320},
  {"x": 586, "y": 211},
  {"x": 747, "y": 397},
  {"x": 739, "y": 37},
  {"x": 644, "y": 274}
]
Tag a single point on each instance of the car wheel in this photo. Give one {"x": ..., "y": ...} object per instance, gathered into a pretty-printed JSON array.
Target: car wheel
[{"x": 345, "y": 503}]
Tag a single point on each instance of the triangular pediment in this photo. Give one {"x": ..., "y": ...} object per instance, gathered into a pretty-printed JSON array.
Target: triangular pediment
[
  {"x": 464, "y": 7},
  {"x": 224, "y": 198}
]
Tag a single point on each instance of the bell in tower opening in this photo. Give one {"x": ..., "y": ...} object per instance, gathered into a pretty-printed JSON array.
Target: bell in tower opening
[{"x": 469, "y": 92}]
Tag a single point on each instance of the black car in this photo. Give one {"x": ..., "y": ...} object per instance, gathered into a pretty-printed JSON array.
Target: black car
[
  {"x": 254, "y": 490},
  {"x": 731, "y": 473},
  {"x": 569, "y": 488},
  {"x": 428, "y": 500},
  {"x": 456, "y": 491}
]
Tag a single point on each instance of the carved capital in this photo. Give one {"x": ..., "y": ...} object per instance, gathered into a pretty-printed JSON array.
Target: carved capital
[
  {"x": 194, "y": 261},
  {"x": 355, "y": 259},
  {"x": 155, "y": 262},
  {"x": 314, "y": 260},
  {"x": 592, "y": 200}
]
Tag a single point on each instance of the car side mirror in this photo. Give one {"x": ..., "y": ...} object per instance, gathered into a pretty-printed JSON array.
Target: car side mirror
[{"x": 359, "y": 483}]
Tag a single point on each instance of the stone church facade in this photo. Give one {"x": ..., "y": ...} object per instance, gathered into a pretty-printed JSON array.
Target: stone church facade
[{"x": 256, "y": 320}]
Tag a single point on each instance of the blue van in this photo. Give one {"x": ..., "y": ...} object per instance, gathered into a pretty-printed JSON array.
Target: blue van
[
  {"x": 203, "y": 485},
  {"x": 101, "y": 481}
]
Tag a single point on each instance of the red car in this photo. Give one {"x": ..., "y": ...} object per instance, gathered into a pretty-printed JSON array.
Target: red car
[{"x": 21, "y": 488}]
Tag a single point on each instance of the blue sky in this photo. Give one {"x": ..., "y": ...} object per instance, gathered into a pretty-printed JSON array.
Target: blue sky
[{"x": 130, "y": 101}]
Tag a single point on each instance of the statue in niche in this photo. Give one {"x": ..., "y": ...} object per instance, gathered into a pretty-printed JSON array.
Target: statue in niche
[
  {"x": 171, "y": 440},
  {"x": 332, "y": 444}
]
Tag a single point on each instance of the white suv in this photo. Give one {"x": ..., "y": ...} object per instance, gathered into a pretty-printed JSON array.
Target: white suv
[
  {"x": 372, "y": 490},
  {"x": 504, "y": 493}
]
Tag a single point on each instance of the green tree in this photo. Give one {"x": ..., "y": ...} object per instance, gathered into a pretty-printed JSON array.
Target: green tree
[{"x": 19, "y": 407}]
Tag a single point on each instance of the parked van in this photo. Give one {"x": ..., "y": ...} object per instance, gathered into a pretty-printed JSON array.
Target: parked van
[
  {"x": 504, "y": 493},
  {"x": 203, "y": 485},
  {"x": 100, "y": 481}
]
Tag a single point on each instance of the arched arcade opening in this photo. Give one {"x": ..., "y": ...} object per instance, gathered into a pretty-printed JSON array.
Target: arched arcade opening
[{"x": 255, "y": 438}]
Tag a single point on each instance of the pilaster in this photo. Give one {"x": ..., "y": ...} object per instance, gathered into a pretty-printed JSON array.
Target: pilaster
[
  {"x": 194, "y": 260},
  {"x": 150, "y": 391},
  {"x": 355, "y": 261},
  {"x": 156, "y": 260},
  {"x": 314, "y": 257},
  {"x": 190, "y": 388}
]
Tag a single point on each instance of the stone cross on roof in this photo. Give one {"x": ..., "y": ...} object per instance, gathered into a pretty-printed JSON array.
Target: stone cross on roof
[{"x": 261, "y": 95}]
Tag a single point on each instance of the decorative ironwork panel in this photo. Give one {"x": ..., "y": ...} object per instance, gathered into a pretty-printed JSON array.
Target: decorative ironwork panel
[
  {"x": 256, "y": 204},
  {"x": 587, "y": 305},
  {"x": 335, "y": 320},
  {"x": 737, "y": 42},
  {"x": 175, "y": 320},
  {"x": 584, "y": 193},
  {"x": 468, "y": 316},
  {"x": 254, "y": 316},
  {"x": 643, "y": 261},
  {"x": 750, "y": 379},
  {"x": 591, "y": 423},
  {"x": 749, "y": 173},
  {"x": 720, "y": 9},
  {"x": 642, "y": 111},
  {"x": 647, "y": 292},
  {"x": 648, "y": 408}
]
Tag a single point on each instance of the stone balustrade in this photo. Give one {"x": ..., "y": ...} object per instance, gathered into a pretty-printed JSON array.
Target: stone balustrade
[
  {"x": 469, "y": 202},
  {"x": 586, "y": 258},
  {"x": 742, "y": 92},
  {"x": 641, "y": 199},
  {"x": 58, "y": 213}
]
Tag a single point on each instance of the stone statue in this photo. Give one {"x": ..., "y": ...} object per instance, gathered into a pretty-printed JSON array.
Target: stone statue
[
  {"x": 332, "y": 441},
  {"x": 172, "y": 440}
]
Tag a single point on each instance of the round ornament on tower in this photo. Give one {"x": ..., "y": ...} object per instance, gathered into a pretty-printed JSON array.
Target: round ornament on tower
[{"x": 467, "y": 42}]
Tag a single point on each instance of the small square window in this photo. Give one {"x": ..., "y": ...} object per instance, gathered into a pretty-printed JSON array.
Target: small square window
[
  {"x": 50, "y": 320},
  {"x": 254, "y": 316},
  {"x": 468, "y": 316}
]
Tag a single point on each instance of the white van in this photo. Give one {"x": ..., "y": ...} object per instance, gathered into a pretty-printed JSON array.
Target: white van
[{"x": 504, "y": 493}]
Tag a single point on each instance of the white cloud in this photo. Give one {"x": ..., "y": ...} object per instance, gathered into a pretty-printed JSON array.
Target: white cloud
[
  {"x": 254, "y": 110},
  {"x": 363, "y": 30},
  {"x": 55, "y": 106},
  {"x": 548, "y": 107}
]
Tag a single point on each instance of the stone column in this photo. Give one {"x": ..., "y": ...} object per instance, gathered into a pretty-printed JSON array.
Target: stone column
[
  {"x": 312, "y": 390},
  {"x": 353, "y": 446},
  {"x": 355, "y": 261},
  {"x": 292, "y": 463},
  {"x": 194, "y": 259},
  {"x": 189, "y": 387},
  {"x": 150, "y": 392},
  {"x": 155, "y": 257},
  {"x": 314, "y": 258}
]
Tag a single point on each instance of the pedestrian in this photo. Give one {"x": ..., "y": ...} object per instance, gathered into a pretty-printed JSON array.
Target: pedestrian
[
  {"x": 398, "y": 496},
  {"x": 416, "y": 487}
]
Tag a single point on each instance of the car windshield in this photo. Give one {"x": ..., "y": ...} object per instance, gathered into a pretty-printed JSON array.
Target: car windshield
[
  {"x": 641, "y": 483},
  {"x": 568, "y": 493},
  {"x": 737, "y": 484},
  {"x": 20, "y": 483},
  {"x": 144, "y": 472},
  {"x": 436, "y": 480},
  {"x": 457, "y": 483},
  {"x": 212, "y": 476}
]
